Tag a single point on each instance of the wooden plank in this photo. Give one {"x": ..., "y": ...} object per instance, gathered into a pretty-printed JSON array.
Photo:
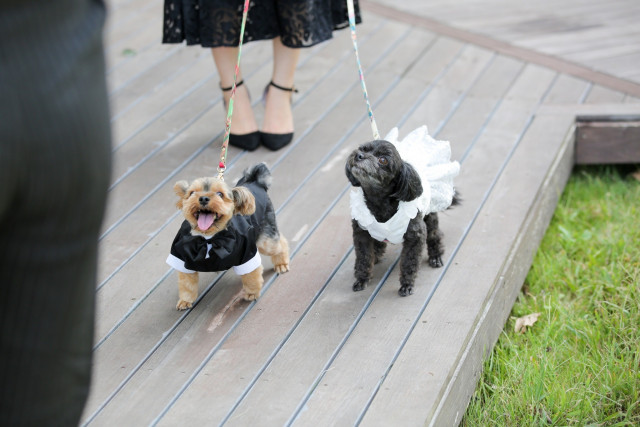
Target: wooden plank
[
  {"x": 150, "y": 250},
  {"x": 144, "y": 186},
  {"x": 567, "y": 89},
  {"x": 124, "y": 20},
  {"x": 451, "y": 88},
  {"x": 591, "y": 54},
  {"x": 161, "y": 88},
  {"x": 123, "y": 292},
  {"x": 127, "y": 51},
  {"x": 191, "y": 91},
  {"x": 303, "y": 356},
  {"x": 292, "y": 218},
  {"x": 504, "y": 47},
  {"x": 435, "y": 374},
  {"x": 156, "y": 322},
  {"x": 129, "y": 68},
  {"x": 599, "y": 94},
  {"x": 172, "y": 105},
  {"x": 105, "y": 387},
  {"x": 353, "y": 377},
  {"x": 179, "y": 116},
  {"x": 594, "y": 112},
  {"x": 607, "y": 142},
  {"x": 234, "y": 366},
  {"x": 129, "y": 328},
  {"x": 217, "y": 367},
  {"x": 555, "y": 43},
  {"x": 477, "y": 106},
  {"x": 154, "y": 82},
  {"x": 169, "y": 196},
  {"x": 624, "y": 66}
]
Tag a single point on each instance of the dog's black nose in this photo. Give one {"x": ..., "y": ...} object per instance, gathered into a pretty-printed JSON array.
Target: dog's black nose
[{"x": 204, "y": 200}]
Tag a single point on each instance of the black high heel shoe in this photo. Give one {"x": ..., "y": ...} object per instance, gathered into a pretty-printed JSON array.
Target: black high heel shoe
[
  {"x": 275, "y": 141},
  {"x": 248, "y": 141}
]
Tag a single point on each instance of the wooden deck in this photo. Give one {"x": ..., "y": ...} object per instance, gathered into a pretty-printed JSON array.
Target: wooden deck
[
  {"x": 598, "y": 35},
  {"x": 310, "y": 351}
]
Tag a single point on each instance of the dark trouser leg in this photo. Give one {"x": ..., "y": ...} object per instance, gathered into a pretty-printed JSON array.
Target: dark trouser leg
[{"x": 54, "y": 173}]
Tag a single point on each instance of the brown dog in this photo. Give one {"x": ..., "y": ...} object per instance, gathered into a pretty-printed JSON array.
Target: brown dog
[{"x": 226, "y": 227}]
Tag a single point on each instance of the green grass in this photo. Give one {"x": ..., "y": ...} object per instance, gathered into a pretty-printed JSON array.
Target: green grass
[{"x": 580, "y": 363}]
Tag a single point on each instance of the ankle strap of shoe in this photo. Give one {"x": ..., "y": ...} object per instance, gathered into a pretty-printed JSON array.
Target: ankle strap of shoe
[
  {"x": 286, "y": 89},
  {"x": 227, "y": 89}
]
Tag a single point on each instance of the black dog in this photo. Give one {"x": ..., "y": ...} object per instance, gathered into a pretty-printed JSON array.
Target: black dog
[{"x": 387, "y": 180}]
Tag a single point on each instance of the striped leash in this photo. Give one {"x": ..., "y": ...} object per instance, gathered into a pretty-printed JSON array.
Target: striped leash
[
  {"x": 352, "y": 25},
  {"x": 222, "y": 166}
]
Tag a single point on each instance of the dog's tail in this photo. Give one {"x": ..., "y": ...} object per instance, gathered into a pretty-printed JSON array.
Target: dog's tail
[
  {"x": 457, "y": 200},
  {"x": 259, "y": 174}
]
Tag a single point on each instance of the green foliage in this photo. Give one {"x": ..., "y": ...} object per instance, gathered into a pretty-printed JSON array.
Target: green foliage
[{"x": 580, "y": 363}]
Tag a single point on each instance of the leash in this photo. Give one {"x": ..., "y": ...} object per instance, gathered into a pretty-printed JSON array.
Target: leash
[
  {"x": 352, "y": 25},
  {"x": 222, "y": 166}
]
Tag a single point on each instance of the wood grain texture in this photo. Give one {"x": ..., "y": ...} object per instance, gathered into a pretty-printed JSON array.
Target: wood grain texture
[
  {"x": 356, "y": 374},
  {"x": 443, "y": 355},
  {"x": 537, "y": 31}
]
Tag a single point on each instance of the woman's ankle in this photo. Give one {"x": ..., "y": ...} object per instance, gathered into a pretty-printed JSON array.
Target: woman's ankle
[
  {"x": 243, "y": 120},
  {"x": 278, "y": 117}
]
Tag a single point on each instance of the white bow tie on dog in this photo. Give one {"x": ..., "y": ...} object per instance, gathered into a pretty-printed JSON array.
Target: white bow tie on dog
[{"x": 432, "y": 160}]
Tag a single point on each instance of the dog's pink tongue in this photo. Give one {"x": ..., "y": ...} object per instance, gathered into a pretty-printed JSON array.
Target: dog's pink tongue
[{"x": 205, "y": 220}]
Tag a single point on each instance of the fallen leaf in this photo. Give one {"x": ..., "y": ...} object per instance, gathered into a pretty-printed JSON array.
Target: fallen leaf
[
  {"x": 128, "y": 52},
  {"x": 523, "y": 322}
]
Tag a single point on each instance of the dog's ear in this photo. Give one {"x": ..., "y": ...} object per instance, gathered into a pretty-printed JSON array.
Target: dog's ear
[
  {"x": 243, "y": 200},
  {"x": 407, "y": 184},
  {"x": 181, "y": 188},
  {"x": 352, "y": 179}
]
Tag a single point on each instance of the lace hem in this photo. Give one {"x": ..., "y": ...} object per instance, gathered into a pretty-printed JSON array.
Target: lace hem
[{"x": 216, "y": 23}]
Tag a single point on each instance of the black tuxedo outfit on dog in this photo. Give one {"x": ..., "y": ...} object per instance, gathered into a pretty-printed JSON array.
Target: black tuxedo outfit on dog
[{"x": 235, "y": 246}]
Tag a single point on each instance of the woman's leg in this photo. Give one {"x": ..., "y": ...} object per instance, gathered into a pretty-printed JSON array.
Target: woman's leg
[
  {"x": 243, "y": 120},
  {"x": 278, "y": 117}
]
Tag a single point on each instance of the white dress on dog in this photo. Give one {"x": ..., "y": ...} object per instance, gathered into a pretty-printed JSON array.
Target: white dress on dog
[{"x": 432, "y": 160}]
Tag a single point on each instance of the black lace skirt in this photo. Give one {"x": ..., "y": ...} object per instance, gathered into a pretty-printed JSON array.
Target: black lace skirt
[{"x": 215, "y": 23}]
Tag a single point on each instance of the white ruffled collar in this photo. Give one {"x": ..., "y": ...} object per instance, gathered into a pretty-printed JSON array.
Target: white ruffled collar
[
  {"x": 432, "y": 160},
  {"x": 391, "y": 231}
]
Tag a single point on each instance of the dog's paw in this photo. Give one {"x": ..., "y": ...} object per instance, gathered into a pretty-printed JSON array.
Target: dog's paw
[
  {"x": 359, "y": 285},
  {"x": 251, "y": 296},
  {"x": 183, "y": 305},
  {"x": 435, "y": 261},
  {"x": 281, "y": 268},
  {"x": 405, "y": 290}
]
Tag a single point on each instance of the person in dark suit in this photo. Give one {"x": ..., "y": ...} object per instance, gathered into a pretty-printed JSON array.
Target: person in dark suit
[{"x": 55, "y": 161}]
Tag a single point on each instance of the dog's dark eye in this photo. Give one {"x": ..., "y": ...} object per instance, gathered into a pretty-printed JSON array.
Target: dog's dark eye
[
  {"x": 191, "y": 193},
  {"x": 383, "y": 160},
  {"x": 220, "y": 194}
]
